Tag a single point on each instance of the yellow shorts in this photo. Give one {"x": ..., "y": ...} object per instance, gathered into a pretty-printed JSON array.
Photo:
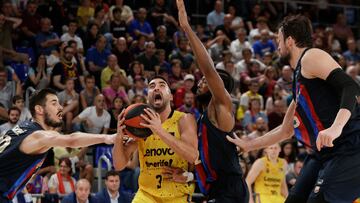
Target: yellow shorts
[
  {"x": 271, "y": 199},
  {"x": 144, "y": 197}
]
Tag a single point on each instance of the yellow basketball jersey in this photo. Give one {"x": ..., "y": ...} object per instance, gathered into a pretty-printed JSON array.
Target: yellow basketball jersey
[
  {"x": 268, "y": 183},
  {"x": 154, "y": 154}
]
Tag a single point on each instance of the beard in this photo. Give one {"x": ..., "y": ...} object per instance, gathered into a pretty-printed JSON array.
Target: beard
[
  {"x": 48, "y": 121},
  {"x": 160, "y": 108},
  {"x": 285, "y": 60},
  {"x": 203, "y": 99},
  {"x": 13, "y": 122}
]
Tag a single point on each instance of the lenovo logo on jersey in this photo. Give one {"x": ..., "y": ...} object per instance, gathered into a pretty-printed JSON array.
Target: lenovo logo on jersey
[{"x": 158, "y": 152}]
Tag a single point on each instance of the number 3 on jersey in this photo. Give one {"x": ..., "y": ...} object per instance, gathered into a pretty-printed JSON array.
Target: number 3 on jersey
[
  {"x": 5, "y": 141},
  {"x": 159, "y": 178}
]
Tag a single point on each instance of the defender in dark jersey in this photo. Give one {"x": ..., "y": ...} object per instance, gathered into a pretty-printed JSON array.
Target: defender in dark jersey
[
  {"x": 218, "y": 170},
  {"x": 24, "y": 148},
  {"x": 326, "y": 117}
]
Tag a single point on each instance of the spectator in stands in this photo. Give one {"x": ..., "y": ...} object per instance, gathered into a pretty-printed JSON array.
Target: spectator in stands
[
  {"x": 101, "y": 20},
  {"x": 94, "y": 119},
  {"x": 215, "y": 17},
  {"x": 278, "y": 94},
  {"x": 293, "y": 174},
  {"x": 354, "y": 71},
  {"x": 218, "y": 45},
  {"x": 277, "y": 113},
  {"x": 14, "y": 115},
  {"x": 238, "y": 45},
  {"x": 139, "y": 87},
  {"x": 175, "y": 76},
  {"x": 138, "y": 46},
  {"x": 46, "y": 40},
  {"x": 163, "y": 64},
  {"x": 59, "y": 13},
  {"x": 160, "y": 15},
  {"x": 351, "y": 55},
  {"x": 244, "y": 64},
  {"x": 201, "y": 33},
  {"x": 124, "y": 56},
  {"x": 267, "y": 82},
  {"x": 7, "y": 25},
  {"x": 71, "y": 35},
  {"x": 91, "y": 36},
  {"x": 84, "y": 13},
  {"x": 81, "y": 194},
  {"x": 235, "y": 74},
  {"x": 66, "y": 69},
  {"x": 30, "y": 21},
  {"x": 236, "y": 21},
  {"x": 112, "y": 193},
  {"x": 252, "y": 114},
  {"x": 289, "y": 152},
  {"x": 62, "y": 182},
  {"x": 96, "y": 58},
  {"x": 115, "y": 89},
  {"x": 141, "y": 27},
  {"x": 285, "y": 80},
  {"x": 69, "y": 99},
  {"x": 88, "y": 94},
  {"x": 18, "y": 101},
  {"x": 162, "y": 41},
  {"x": 8, "y": 89},
  {"x": 136, "y": 69},
  {"x": 188, "y": 105},
  {"x": 341, "y": 30},
  {"x": 138, "y": 99},
  {"x": 80, "y": 168},
  {"x": 186, "y": 86},
  {"x": 38, "y": 76},
  {"x": 225, "y": 56},
  {"x": 118, "y": 27},
  {"x": 111, "y": 69},
  {"x": 255, "y": 33},
  {"x": 251, "y": 94},
  {"x": 126, "y": 12},
  {"x": 226, "y": 28},
  {"x": 149, "y": 59},
  {"x": 118, "y": 106},
  {"x": 260, "y": 128},
  {"x": 182, "y": 53},
  {"x": 263, "y": 45}
]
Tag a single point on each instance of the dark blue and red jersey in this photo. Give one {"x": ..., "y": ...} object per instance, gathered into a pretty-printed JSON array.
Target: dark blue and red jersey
[
  {"x": 16, "y": 167},
  {"x": 317, "y": 106},
  {"x": 219, "y": 160}
]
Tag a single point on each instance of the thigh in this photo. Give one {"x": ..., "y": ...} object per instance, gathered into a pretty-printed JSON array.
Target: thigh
[
  {"x": 141, "y": 197},
  {"x": 305, "y": 181},
  {"x": 339, "y": 180}
]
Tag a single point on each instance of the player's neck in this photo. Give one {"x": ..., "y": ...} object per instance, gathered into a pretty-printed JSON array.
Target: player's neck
[
  {"x": 165, "y": 113},
  {"x": 295, "y": 56},
  {"x": 43, "y": 125}
]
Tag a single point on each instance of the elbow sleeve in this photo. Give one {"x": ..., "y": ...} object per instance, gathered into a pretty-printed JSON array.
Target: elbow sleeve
[{"x": 346, "y": 88}]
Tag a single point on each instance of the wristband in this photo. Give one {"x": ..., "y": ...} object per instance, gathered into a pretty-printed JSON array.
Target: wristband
[{"x": 189, "y": 176}]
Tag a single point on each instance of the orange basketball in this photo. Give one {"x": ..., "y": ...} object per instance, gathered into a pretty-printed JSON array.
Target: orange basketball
[{"x": 133, "y": 120}]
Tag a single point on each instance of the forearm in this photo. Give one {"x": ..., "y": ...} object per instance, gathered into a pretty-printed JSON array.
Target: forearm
[
  {"x": 184, "y": 150},
  {"x": 79, "y": 139},
  {"x": 341, "y": 119},
  {"x": 120, "y": 158},
  {"x": 274, "y": 136}
]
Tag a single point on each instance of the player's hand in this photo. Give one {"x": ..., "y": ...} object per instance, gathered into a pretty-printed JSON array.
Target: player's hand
[
  {"x": 153, "y": 120},
  {"x": 326, "y": 137},
  {"x": 110, "y": 139},
  {"x": 174, "y": 174},
  {"x": 120, "y": 126},
  {"x": 183, "y": 19},
  {"x": 243, "y": 144}
]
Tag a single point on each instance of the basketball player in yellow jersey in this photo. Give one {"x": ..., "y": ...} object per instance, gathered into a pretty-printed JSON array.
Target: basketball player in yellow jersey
[
  {"x": 173, "y": 145},
  {"x": 268, "y": 173}
]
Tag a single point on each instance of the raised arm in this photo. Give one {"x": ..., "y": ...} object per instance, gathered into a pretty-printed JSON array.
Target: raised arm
[
  {"x": 42, "y": 140},
  {"x": 205, "y": 63}
]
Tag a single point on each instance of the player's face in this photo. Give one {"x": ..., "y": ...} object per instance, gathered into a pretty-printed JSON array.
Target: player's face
[
  {"x": 159, "y": 94},
  {"x": 53, "y": 112},
  {"x": 202, "y": 87},
  {"x": 113, "y": 183},
  {"x": 283, "y": 49},
  {"x": 273, "y": 151}
]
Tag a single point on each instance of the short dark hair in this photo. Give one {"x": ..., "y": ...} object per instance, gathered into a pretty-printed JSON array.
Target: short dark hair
[
  {"x": 14, "y": 108},
  {"x": 39, "y": 98},
  {"x": 299, "y": 28},
  {"x": 116, "y": 10},
  {"x": 16, "y": 98},
  {"x": 111, "y": 173},
  {"x": 88, "y": 77},
  {"x": 160, "y": 77}
]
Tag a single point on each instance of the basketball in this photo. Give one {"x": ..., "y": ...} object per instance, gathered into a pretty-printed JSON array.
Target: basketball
[{"x": 133, "y": 120}]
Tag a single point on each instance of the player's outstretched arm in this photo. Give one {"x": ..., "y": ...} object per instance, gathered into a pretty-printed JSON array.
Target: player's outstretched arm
[
  {"x": 278, "y": 134},
  {"x": 42, "y": 140},
  {"x": 205, "y": 63}
]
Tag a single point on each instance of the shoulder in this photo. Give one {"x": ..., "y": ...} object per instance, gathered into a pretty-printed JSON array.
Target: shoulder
[{"x": 317, "y": 63}]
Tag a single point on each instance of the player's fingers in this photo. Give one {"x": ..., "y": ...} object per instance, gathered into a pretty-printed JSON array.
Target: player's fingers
[
  {"x": 146, "y": 118},
  {"x": 167, "y": 176},
  {"x": 230, "y": 139},
  {"x": 145, "y": 125},
  {"x": 318, "y": 142}
]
